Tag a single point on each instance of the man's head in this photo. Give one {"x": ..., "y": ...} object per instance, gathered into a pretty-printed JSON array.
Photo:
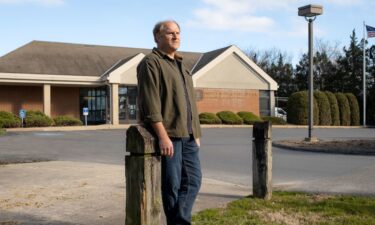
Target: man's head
[{"x": 167, "y": 36}]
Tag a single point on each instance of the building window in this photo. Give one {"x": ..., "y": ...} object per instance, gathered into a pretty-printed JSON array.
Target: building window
[
  {"x": 127, "y": 104},
  {"x": 264, "y": 103},
  {"x": 94, "y": 99}
]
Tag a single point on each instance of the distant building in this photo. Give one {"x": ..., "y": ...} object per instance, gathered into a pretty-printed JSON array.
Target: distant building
[{"x": 61, "y": 79}]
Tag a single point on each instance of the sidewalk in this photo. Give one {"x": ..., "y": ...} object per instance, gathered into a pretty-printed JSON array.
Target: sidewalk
[{"x": 67, "y": 193}]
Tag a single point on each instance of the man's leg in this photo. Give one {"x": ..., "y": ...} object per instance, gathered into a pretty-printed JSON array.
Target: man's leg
[
  {"x": 191, "y": 178},
  {"x": 171, "y": 180}
]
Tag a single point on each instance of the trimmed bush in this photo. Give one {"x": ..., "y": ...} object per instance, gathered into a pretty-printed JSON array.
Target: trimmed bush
[
  {"x": 297, "y": 108},
  {"x": 66, "y": 121},
  {"x": 249, "y": 117},
  {"x": 9, "y": 120},
  {"x": 335, "y": 113},
  {"x": 274, "y": 120},
  {"x": 37, "y": 119},
  {"x": 354, "y": 109},
  {"x": 324, "y": 108},
  {"x": 228, "y": 117},
  {"x": 344, "y": 109},
  {"x": 209, "y": 118}
]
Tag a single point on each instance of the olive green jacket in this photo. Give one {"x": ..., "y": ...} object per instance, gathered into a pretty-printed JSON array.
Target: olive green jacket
[{"x": 161, "y": 95}]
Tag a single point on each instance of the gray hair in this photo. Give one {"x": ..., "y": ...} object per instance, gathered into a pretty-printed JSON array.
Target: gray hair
[{"x": 161, "y": 25}]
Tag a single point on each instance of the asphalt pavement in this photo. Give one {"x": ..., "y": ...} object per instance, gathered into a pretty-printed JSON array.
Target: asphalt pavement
[{"x": 78, "y": 176}]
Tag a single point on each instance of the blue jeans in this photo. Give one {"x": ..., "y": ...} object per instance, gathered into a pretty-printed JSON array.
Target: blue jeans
[{"x": 181, "y": 181}]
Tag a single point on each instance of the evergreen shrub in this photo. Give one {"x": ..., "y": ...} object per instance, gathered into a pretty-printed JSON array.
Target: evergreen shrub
[
  {"x": 37, "y": 119},
  {"x": 354, "y": 109},
  {"x": 66, "y": 121},
  {"x": 343, "y": 108},
  {"x": 297, "y": 108},
  {"x": 249, "y": 117},
  {"x": 209, "y": 118},
  {"x": 9, "y": 120},
  {"x": 335, "y": 113},
  {"x": 324, "y": 108},
  {"x": 228, "y": 117}
]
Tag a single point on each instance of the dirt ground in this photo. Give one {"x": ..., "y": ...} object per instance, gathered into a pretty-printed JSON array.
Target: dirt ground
[{"x": 355, "y": 147}]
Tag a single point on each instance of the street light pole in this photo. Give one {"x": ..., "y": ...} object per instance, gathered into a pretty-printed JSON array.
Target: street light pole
[
  {"x": 310, "y": 12},
  {"x": 311, "y": 79}
]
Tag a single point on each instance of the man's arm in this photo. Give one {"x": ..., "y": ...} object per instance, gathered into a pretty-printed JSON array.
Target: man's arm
[{"x": 165, "y": 143}]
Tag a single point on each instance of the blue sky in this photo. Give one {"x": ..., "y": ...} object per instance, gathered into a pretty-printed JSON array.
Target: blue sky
[{"x": 205, "y": 24}]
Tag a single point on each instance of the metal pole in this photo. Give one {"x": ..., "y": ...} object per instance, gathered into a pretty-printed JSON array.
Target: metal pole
[
  {"x": 364, "y": 74},
  {"x": 311, "y": 78}
]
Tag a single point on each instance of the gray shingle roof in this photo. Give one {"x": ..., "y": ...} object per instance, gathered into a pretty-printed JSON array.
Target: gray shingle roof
[
  {"x": 41, "y": 57},
  {"x": 208, "y": 57}
]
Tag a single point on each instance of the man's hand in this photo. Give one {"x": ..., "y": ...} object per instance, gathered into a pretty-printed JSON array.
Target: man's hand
[
  {"x": 198, "y": 141},
  {"x": 166, "y": 147},
  {"x": 165, "y": 143}
]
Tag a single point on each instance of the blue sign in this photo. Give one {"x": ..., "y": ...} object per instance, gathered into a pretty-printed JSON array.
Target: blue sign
[
  {"x": 85, "y": 111},
  {"x": 22, "y": 114}
]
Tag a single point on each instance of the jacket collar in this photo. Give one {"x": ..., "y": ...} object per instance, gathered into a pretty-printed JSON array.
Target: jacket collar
[{"x": 163, "y": 55}]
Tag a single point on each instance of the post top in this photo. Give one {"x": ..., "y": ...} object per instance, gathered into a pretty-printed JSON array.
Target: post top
[
  {"x": 140, "y": 141},
  {"x": 262, "y": 130}
]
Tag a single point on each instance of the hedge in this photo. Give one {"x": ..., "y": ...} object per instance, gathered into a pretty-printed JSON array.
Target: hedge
[
  {"x": 324, "y": 108},
  {"x": 209, "y": 118},
  {"x": 37, "y": 119},
  {"x": 66, "y": 121},
  {"x": 344, "y": 109},
  {"x": 354, "y": 109},
  {"x": 249, "y": 117},
  {"x": 9, "y": 120},
  {"x": 297, "y": 108},
  {"x": 228, "y": 117},
  {"x": 335, "y": 113},
  {"x": 274, "y": 120}
]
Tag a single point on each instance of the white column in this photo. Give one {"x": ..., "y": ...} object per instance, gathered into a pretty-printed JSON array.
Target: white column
[
  {"x": 47, "y": 99},
  {"x": 114, "y": 104}
]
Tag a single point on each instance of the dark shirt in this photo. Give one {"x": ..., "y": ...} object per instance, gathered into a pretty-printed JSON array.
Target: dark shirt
[{"x": 165, "y": 94}]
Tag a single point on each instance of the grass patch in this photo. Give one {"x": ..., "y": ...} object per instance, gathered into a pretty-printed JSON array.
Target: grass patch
[
  {"x": 292, "y": 208},
  {"x": 2, "y": 131}
]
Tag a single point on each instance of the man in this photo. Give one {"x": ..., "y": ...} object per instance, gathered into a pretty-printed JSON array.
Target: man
[{"x": 167, "y": 106}]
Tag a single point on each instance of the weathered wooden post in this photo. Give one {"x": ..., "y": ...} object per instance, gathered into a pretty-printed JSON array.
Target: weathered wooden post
[
  {"x": 143, "y": 178},
  {"x": 262, "y": 160}
]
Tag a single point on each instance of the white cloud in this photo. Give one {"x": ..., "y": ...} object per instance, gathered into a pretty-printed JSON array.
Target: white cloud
[
  {"x": 38, "y": 2},
  {"x": 233, "y": 15}
]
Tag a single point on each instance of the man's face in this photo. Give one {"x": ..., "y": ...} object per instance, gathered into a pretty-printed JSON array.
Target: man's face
[{"x": 168, "y": 39}]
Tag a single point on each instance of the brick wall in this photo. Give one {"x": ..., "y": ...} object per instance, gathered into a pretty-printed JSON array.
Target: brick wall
[
  {"x": 14, "y": 98},
  {"x": 215, "y": 100},
  {"x": 65, "y": 101}
]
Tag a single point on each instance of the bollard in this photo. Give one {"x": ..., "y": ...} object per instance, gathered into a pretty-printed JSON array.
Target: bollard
[
  {"x": 262, "y": 160},
  {"x": 143, "y": 178}
]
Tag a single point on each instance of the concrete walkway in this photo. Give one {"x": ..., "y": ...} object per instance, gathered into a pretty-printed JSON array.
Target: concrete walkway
[{"x": 65, "y": 193}]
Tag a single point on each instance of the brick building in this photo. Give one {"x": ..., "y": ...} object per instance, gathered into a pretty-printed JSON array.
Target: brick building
[{"x": 62, "y": 78}]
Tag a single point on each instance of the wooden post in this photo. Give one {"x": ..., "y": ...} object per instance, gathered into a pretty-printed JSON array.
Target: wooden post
[
  {"x": 262, "y": 160},
  {"x": 143, "y": 178}
]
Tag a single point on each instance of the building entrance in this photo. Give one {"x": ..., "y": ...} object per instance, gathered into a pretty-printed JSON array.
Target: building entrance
[{"x": 128, "y": 104}]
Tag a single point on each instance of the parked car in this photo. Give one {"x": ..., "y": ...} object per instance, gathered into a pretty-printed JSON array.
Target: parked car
[{"x": 279, "y": 112}]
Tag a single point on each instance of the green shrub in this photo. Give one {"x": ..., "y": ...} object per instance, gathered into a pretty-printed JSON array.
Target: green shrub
[
  {"x": 354, "y": 109},
  {"x": 297, "y": 108},
  {"x": 344, "y": 109},
  {"x": 209, "y": 118},
  {"x": 37, "y": 119},
  {"x": 274, "y": 120},
  {"x": 249, "y": 117},
  {"x": 9, "y": 120},
  {"x": 335, "y": 113},
  {"x": 228, "y": 117},
  {"x": 2, "y": 131},
  {"x": 66, "y": 121},
  {"x": 324, "y": 108}
]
